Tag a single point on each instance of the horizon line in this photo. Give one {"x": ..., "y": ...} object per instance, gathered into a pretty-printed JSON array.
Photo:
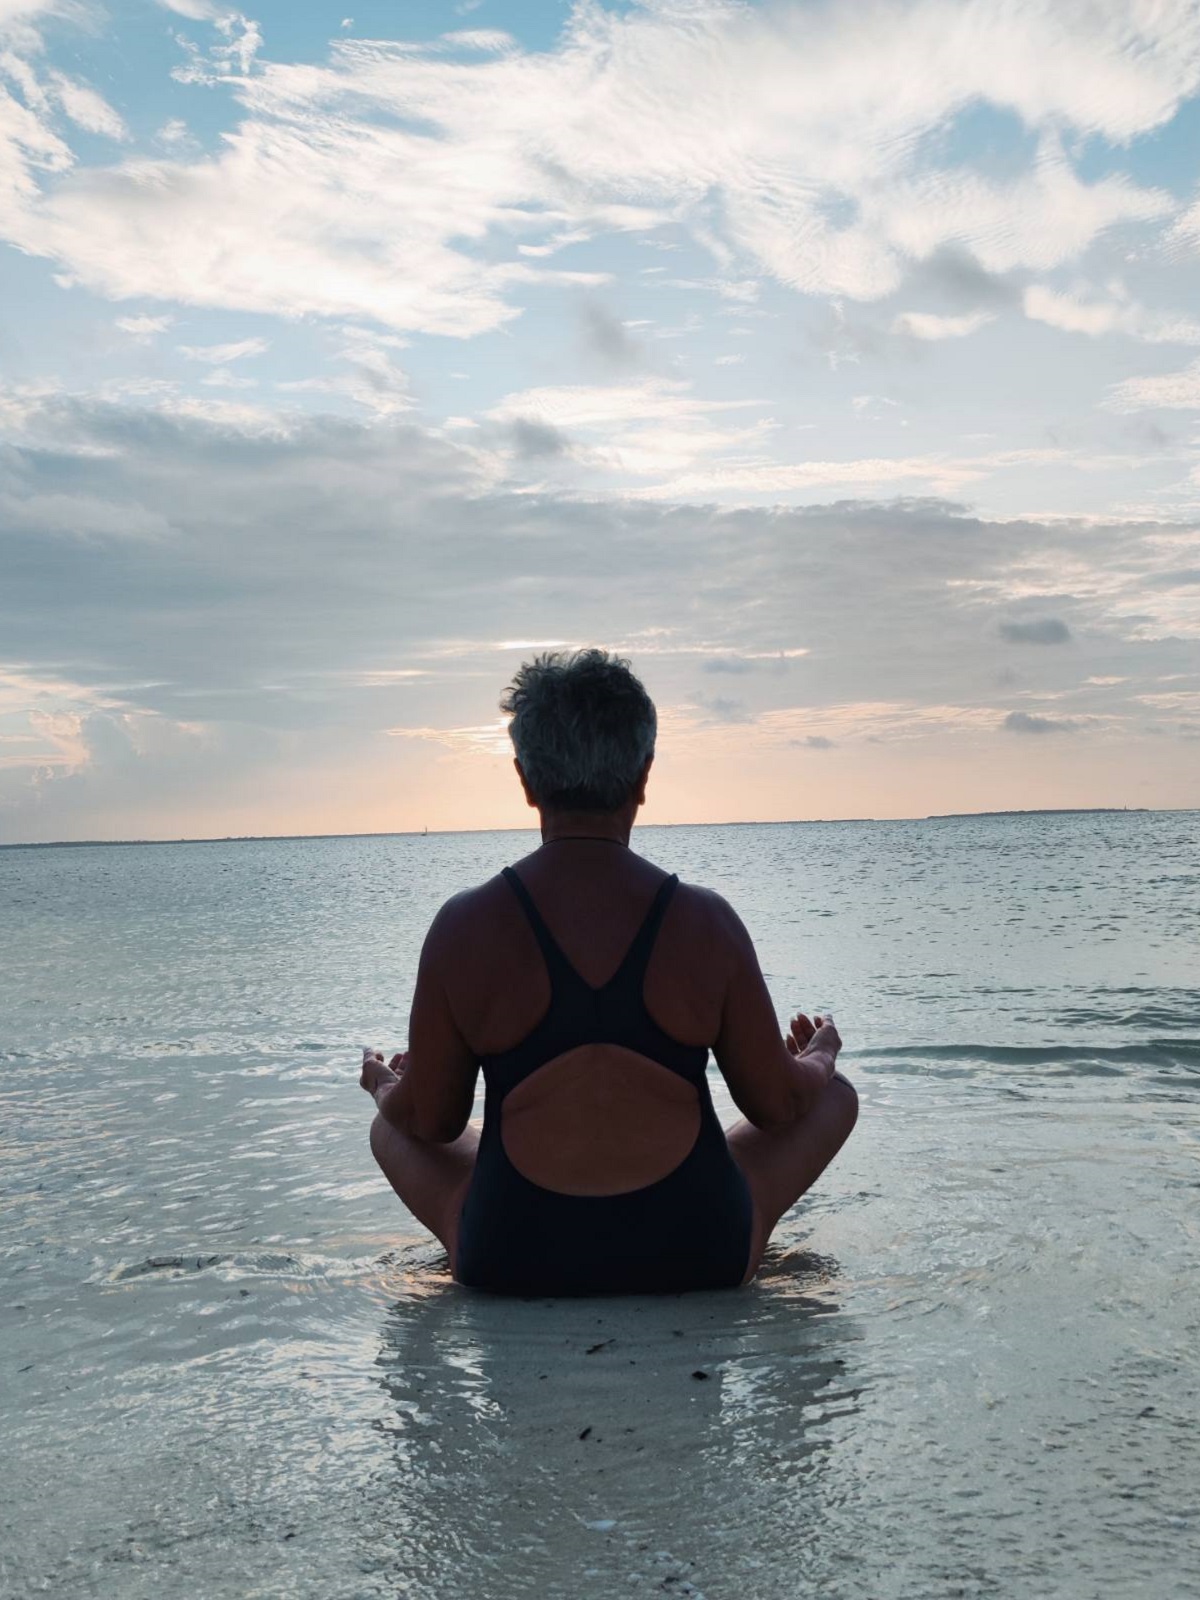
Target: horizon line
[{"x": 741, "y": 822}]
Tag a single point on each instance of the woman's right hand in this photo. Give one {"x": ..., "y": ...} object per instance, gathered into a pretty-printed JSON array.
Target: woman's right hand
[{"x": 817, "y": 1038}]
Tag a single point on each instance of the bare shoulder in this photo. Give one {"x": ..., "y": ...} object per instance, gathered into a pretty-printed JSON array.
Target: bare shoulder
[
  {"x": 713, "y": 911},
  {"x": 459, "y": 919},
  {"x": 714, "y": 923}
]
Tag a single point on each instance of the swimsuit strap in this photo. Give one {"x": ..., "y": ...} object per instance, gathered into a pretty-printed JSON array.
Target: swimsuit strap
[
  {"x": 637, "y": 958},
  {"x": 634, "y": 962},
  {"x": 557, "y": 964}
]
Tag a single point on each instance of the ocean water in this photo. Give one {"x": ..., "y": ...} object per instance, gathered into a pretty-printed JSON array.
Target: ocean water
[{"x": 233, "y": 1366}]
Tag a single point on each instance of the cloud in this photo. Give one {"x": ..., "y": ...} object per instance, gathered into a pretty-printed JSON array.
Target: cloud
[
  {"x": 593, "y": 405},
  {"x": 489, "y": 41},
  {"x": 771, "y": 661},
  {"x": 927, "y": 325},
  {"x": 954, "y": 276},
  {"x": 1042, "y": 630},
  {"x": 225, "y": 62},
  {"x": 174, "y": 132},
  {"x": 719, "y": 710},
  {"x": 608, "y": 338},
  {"x": 815, "y": 741},
  {"x": 86, "y": 108},
  {"x": 277, "y": 581},
  {"x": 1173, "y": 391},
  {"x": 224, "y": 378},
  {"x": 15, "y": 14},
  {"x": 143, "y": 328},
  {"x": 1179, "y": 578},
  {"x": 1185, "y": 231},
  {"x": 633, "y": 432},
  {"x": 194, "y": 10},
  {"x": 490, "y": 738},
  {"x": 537, "y": 440},
  {"x": 1026, "y": 722},
  {"x": 1095, "y": 317},
  {"x": 1046, "y": 217},
  {"x": 368, "y": 374},
  {"x": 759, "y": 478},
  {"x": 219, "y": 355},
  {"x": 402, "y": 183}
]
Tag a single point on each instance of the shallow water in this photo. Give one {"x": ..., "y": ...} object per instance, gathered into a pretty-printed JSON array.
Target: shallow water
[{"x": 232, "y": 1366}]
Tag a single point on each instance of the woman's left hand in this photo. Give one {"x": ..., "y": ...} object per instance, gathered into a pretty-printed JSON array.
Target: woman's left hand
[{"x": 375, "y": 1073}]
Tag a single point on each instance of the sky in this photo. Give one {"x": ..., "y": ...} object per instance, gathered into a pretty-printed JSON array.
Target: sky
[{"x": 837, "y": 363}]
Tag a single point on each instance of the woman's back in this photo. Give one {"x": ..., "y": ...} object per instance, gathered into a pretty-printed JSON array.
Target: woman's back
[{"x": 601, "y": 1163}]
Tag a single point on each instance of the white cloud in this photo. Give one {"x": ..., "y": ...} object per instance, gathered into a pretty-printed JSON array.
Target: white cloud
[
  {"x": 194, "y": 10},
  {"x": 657, "y": 440},
  {"x": 759, "y": 480},
  {"x": 587, "y": 406},
  {"x": 221, "y": 354},
  {"x": 713, "y": 476},
  {"x": 226, "y": 63},
  {"x": 368, "y": 374},
  {"x": 776, "y": 135},
  {"x": 1170, "y": 390},
  {"x": 1040, "y": 220},
  {"x": 29, "y": 146},
  {"x": 86, "y": 108},
  {"x": 1186, "y": 228},
  {"x": 634, "y": 430},
  {"x": 744, "y": 293},
  {"x": 144, "y": 328},
  {"x": 243, "y": 42},
  {"x": 223, "y": 378},
  {"x": 1075, "y": 314},
  {"x": 491, "y": 738},
  {"x": 14, "y": 13},
  {"x": 928, "y": 325},
  {"x": 488, "y": 41}
]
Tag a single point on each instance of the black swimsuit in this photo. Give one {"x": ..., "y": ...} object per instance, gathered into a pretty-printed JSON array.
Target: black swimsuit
[{"x": 689, "y": 1230}]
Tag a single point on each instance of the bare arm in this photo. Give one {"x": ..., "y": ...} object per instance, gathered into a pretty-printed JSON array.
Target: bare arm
[
  {"x": 433, "y": 1098},
  {"x": 773, "y": 1082}
]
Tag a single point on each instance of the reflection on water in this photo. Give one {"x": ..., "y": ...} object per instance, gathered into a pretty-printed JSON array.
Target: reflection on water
[{"x": 611, "y": 1441}]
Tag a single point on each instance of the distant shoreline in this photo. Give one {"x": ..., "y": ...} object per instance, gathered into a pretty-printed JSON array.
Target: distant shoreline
[
  {"x": 1054, "y": 811},
  {"x": 787, "y": 822}
]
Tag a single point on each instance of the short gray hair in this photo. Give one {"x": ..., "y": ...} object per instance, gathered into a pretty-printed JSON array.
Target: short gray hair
[{"x": 582, "y": 727}]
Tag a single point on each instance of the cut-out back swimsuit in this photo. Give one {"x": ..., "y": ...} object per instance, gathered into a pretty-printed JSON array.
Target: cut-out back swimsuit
[{"x": 689, "y": 1230}]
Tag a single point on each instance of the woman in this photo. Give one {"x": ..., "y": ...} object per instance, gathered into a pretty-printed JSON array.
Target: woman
[{"x": 590, "y": 986}]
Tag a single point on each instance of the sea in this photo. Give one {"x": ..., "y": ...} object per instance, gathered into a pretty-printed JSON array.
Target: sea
[{"x": 231, "y": 1365}]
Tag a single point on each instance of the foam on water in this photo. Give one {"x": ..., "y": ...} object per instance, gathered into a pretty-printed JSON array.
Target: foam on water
[{"x": 234, "y": 1367}]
